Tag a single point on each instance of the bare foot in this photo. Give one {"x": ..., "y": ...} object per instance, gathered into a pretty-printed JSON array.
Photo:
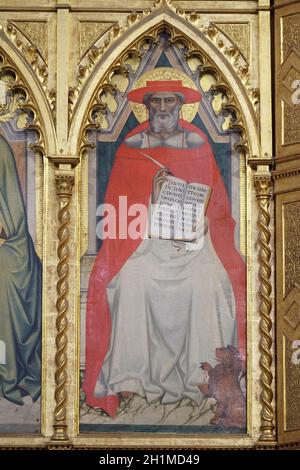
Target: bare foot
[{"x": 204, "y": 389}]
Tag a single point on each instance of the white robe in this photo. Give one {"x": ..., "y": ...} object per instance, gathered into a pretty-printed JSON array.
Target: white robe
[{"x": 170, "y": 310}]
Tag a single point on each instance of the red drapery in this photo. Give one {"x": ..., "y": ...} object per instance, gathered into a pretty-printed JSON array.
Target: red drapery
[{"x": 132, "y": 175}]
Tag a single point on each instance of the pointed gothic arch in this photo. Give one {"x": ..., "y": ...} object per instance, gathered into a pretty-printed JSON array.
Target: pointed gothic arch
[
  {"x": 212, "y": 60},
  {"x": 240, "y": 99},
  {"x": 33, "y": 100},
  {"x": 37, "y": 100}
]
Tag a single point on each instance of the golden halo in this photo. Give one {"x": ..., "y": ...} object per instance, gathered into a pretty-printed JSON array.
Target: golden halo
[{"x": 164, "y": 73}]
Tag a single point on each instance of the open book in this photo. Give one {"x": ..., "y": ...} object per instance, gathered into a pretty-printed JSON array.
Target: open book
[{"x": 177, "y": 208}]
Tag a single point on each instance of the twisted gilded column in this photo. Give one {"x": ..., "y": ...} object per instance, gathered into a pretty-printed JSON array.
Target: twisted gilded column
[
  {"x": 263, "y": 186},
  {"x": 64, "y": 185}
]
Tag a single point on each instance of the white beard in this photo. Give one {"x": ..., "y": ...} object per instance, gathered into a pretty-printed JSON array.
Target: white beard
[{"x": 163, "y": 121}]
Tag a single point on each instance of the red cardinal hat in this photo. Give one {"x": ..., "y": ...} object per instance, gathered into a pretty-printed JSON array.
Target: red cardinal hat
[{"x": 172, "y": 86}]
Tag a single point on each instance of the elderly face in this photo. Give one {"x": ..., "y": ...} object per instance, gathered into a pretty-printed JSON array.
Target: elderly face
[
  {"x": 164, "y": 110},
  {"x": 163, "y": 102}
]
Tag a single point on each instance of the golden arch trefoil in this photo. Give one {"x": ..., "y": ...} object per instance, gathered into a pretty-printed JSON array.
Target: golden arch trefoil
[
  {"x": 33, "y": 100},
  {"x": 248, "y": 125},
  {"x": 240, "y": 101},
  {"x": 37, "y": 100}
]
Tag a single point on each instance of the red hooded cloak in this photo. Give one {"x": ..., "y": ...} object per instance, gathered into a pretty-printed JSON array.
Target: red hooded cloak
[{"x": 132, "y": 175}]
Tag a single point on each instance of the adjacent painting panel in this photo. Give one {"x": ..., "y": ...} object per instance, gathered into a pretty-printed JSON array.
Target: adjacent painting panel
[
  {"x": 20, "y": 272},
  {"x": 163, "y": 283},
  {"x": 287, "y": 187}
]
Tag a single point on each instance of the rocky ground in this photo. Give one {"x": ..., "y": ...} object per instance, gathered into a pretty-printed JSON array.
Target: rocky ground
[
  {"x": 136, "y": 411},
  {"x": 19, "y": 419}
]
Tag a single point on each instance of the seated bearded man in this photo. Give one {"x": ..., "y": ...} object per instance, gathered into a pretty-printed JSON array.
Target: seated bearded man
[{"x": 156, "y": 309}]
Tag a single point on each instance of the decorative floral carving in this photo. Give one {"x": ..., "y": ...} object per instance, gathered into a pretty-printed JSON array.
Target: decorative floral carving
[
  {"x": 33, "y": 45},
  {"x": 236, "y": 58},
  {"x": 36, "y": 32},
  {"x": 29, "y": 52},
  {"x": 15, "y": 98},
  {"x": 9, "y": 102},
  {"x": 219, "y": 38},
  {"x": 98, "y": 50},
  {"x": 291, "y": 123},
  {"x": 238, "y": 33},
  {"x": 90, "y": 32},
  {"x": 64, "y": 185},
  {"x": 116, "y": 80},
  {"x": 290, "y": 35}
]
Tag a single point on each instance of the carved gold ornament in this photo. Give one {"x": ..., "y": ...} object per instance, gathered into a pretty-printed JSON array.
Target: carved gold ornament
[
  {"x": 292, "y": 391},
  {"x": 89, "y": 33},
  {"x": 117, "y": 80},
  {"x": 36, "y": 32},
  {"x": 291, "y": 214},
  {"x": 17, "y": 103},
  {"x": 30, "y": 40},
  {"x": 8, "y": 101},
  {"x": 28, "y": 50},
  {"x": 220, "y": 39},
  {"x": 239, "y": 34},
  {"x": 15, "y": 99},
  {"x": 64, "y": 186},
  {"x": 263, "y": 186},
  {"x": 290, "y": 34}
]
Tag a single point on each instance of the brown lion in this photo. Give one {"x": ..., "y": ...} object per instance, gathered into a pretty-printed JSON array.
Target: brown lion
[{"x": 224, "y": 386}]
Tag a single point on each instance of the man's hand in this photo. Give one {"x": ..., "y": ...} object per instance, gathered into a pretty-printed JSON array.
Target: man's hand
[{"x": 206, "y": 366}]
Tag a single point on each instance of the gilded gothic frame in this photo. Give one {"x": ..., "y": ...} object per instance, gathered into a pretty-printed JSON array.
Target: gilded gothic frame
[{"x": 63, "y": 105}]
